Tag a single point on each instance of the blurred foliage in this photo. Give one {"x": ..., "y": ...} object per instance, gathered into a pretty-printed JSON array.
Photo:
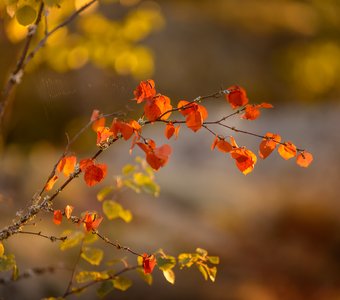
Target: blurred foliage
[{"x": 97, "y": 37}]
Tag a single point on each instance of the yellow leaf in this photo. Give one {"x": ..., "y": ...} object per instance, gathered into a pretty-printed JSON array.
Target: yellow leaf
[{"x": 169, "y": 276}]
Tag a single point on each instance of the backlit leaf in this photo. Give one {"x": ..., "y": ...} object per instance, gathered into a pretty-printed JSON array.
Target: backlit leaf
[
  {"x": 92, "y": 255},
  {"x": 166, "y": 263},
  {"x": 122, "y": 283},
  {"x": 304, "y": 159},
  {"x": 103, "y": 193},
  {"x": 114, "y": 210},
  {"x": 86, "y": 276},
  {"x": 287, "y": 150},
  {"x": 169, "y": 276},
  {"x": 73, "y": 239},
  {"x": 237, "y": 96}
]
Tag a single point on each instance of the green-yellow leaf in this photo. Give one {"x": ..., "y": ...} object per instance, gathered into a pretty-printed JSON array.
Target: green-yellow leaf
[
  {"x": 90, "y": 238},
  {"x": 7, "y": 262},
  {"x": 128, "y": 169},
  {"x": 185, "y": 260},
  {"x": 73, "y": 239},
  {"x": 86, "y": 276},
  {"x": 133, "y": 186},
  {"x": 92, "y": 255},
  {"x": 114, "y": 210},
  {"x": 213, "y": 259},
  {"x": 203, "y": 271},
  {"x": 169, "y": 276},
  {"x": 146, "y": 277},
  {"x": 122, "y": 283},
  {"x": 202, "y": 252},
  {"x": 2, "y": 249},
  {"x": 212, "y": 273},
  {"x": 166, "y": 263},
  {"x": 26, "y": 15},
  {"x": 104, "y": 193},
  {"x": 105, "y": 288}
]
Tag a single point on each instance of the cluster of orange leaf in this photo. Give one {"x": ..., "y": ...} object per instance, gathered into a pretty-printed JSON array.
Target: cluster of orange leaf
[{"x": 158, "y": 108}]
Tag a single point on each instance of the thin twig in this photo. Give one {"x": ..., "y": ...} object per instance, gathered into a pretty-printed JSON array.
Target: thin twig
[
  {"x": 115, "y": 244},
  {"x": 50, "y": 237},
  {"x": 17, "y": 73}
]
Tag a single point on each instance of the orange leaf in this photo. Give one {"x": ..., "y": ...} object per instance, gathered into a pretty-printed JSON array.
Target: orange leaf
[
  {"x": 195, "y": 114},
  {"x": 224, "y": 146},
  {"x": 97, "y": 122},
  {"x": 68, "y": 211},
  {"x": 268, "y": 144},
  {"x": 49, "y": 185},
  {"x": 91, "y": 221},
  {"x": 149, "y": 262},
  {"x": 252, "y": 111},
  {"x": 95, "y": 174},
  {"x": 287, "y": 150},
  {"x": 103, "y": 135},
  {"x": 156, "y": 107},
  {"x": 171, "y": 130},
  {"x": 304, "y": 159},
  {"x": 57, "y": 217},
  {"x": 245, "y": 159},
  {"x": 67, "y": 165},
  {"x": 237, "y": 96},
  {"x": 85, "y": 163},
  {"x": 126, "y": 129},
  {"x": 145, "y": 90}
]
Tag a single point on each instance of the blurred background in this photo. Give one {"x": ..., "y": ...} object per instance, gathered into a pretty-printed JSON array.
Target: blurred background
[{"x": 276, "y": 230}]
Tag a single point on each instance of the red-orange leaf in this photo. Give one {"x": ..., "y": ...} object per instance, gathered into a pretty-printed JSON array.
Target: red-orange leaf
[
  {"x": 84, "y": 163},
  {"x": 245, "y": 159},
  {"x": 49, "y": 185},
  {"x": 95, "y": 174},
  {"x": 91, "y": 221},
  {"x": 57, "y": 217},
  {"x": 237, "y": 96},
  {"x": 304, "y": 159},
  {"x": 67, "y": 164},
  {"x": 268, "y": 144},
  {"x": 126, "y": 129},
  {"x": 149, "y": 262},
  {"x": 171, "y": 130},
  {"x": 156, "y": 157},
  {"x": 145, "y": 90},
  {"x": 252, "y": 111},
  {"x": 68, "y": 211},
  {"x": 287, "y": 150}
]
